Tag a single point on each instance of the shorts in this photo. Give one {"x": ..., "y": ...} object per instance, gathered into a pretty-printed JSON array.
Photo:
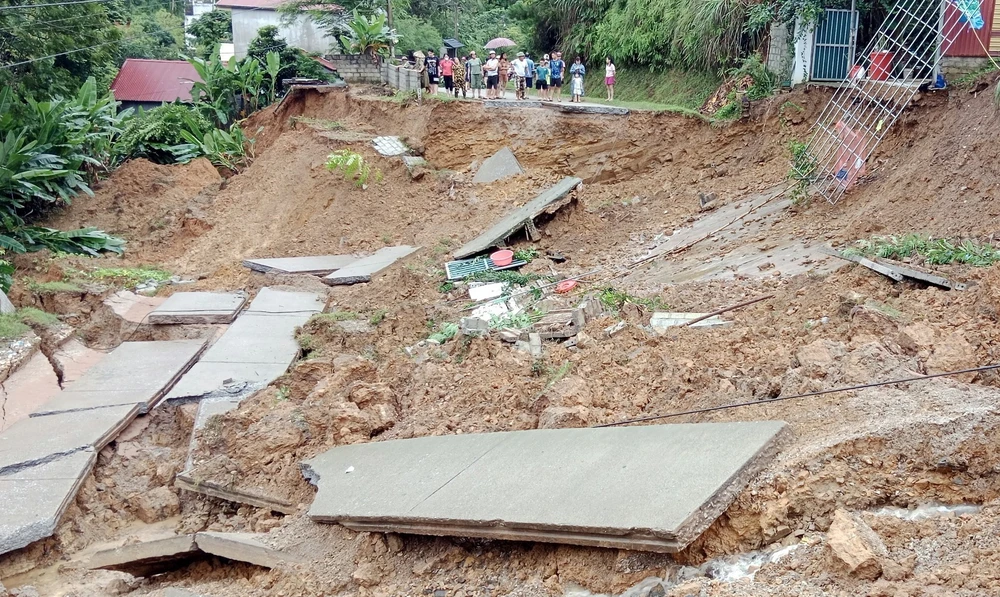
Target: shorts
[
  {"x": 492, "y": 81},
  {"x": 477, "y": 81},
  {"x": 449, "y": 82},
  {"x": 433, "y": 79},
  {"x": 609, "y": 80},
  {"x": 556, "y": 82},
  {"x": 529, "y": 82},
  {"x": 541, "y": 84}
]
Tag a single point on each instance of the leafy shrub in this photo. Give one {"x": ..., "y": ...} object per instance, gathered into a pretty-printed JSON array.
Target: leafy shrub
[
  {"x": 934, "y": 251},
  {"x": 353, "y": 165},
  {"x": 153, "y": 134},
  {"x": 227, "y": 149},
  {"x": 803, "y": 166},
  {"x": 6, "y": 275}
]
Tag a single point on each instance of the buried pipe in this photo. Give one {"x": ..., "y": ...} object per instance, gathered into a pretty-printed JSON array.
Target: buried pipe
[{"x": 807, "y": 395}]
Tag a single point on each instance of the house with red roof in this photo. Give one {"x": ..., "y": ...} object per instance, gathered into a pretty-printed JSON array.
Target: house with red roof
[
  {"x": 151, "y": 83},
  {"x": 299, "y": 32}
]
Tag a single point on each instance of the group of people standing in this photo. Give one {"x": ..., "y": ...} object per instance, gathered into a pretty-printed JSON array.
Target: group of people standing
[{"x": 470, "y": 75}]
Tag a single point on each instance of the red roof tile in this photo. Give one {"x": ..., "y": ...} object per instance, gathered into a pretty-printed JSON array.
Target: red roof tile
[{"x": 142, "y": 80}]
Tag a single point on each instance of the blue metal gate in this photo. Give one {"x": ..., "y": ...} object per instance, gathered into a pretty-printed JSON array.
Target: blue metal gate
[{"x": 833, "y": 48}]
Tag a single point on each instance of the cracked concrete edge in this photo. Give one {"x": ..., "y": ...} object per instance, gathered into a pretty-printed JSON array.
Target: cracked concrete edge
[{"x": 185, "y": 480}]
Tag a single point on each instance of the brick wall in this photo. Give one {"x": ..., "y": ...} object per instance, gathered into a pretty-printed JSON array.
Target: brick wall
[
  {"x": 356, "y": 68},
  {"x": 399, "y": 77},
  {"x": 954, "y": 67}
]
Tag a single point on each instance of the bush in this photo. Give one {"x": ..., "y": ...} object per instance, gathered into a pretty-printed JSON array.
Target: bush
[{"x": 154, "y": 134}]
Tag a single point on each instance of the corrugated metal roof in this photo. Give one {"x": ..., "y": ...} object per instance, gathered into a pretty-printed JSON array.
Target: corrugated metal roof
[
  {"x": 326, "y": 63},
  {"x": 142, "y": 80},
  {"x": 968, "y": 41}
]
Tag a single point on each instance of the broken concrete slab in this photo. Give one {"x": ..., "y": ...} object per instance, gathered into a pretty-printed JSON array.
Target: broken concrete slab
[
  {"x": 661, "y": 320},
  {"x": 6, "y": 307},
  {"x": 132, "y": 307},
  {"x": 897, "y": 271},
  {"x": 139, "y": 373},
  {"x": 205, "y": 379},
  {"x": 362, "y": 270},
  {"x": 243, "y": 547},
  {"x": 285, "y": 302},
  {"x": 560, "y": 323},
  {"x": 320, "y": 265},
  {"x": 32, "y": 500},
  {"x": 198, "y": 307},
  {"x": 187, "y": 481},
  {"x": 653, "y": 488},
  {"x": 498, "y": 166},
  {"x": 389, "y": 146},
  {"x": 148, "y": 557},
  {"x": 258, "y": 338},
  {"x": 37, "y": 440},
  {"x": 583, "y": 108},
  {"x": 518, "y": 218},
  {"x": 512, "y": 103}
]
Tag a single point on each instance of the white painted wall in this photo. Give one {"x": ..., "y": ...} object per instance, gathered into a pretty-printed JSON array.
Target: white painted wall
[
  {"x": 802, "y": 63},
  {"x": 300, "y": 33},
  {"x": 198, "y": 9}
]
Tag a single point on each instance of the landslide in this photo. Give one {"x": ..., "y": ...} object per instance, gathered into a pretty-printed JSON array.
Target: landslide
[{"x": 900, "y": 446}]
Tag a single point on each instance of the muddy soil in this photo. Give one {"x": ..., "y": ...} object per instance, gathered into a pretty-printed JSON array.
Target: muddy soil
[{"x": 901, "y": 446}]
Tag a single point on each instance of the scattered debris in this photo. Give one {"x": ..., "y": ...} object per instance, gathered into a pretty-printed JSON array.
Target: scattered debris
[
  {"x": 474, "y": 326},
  {"x": 363, "y": 269},
  {"x": 483, "y": 292},
  {"x": 573, "y": 108},
  {"x": 856, "y": 545},
  {"x": 660, "y": 320},
  {"x": 319, "y": 265},
  {"x": 560, "y": 323},
  {"x": 500, "y": 165},
  {"x": 463, "y": 268},
  {"x": 613, "y": 329},
  {"x": 525, "y": 485},
  {"x": 521, "y": 218},
  {"x": 389, "y": 146},
  {"x": 198, "y": 307},
  {"x": 898, "y": 271}
]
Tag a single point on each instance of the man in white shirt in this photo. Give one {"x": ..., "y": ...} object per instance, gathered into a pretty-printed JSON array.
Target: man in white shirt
[
  {"x": 492, "y": 71},
  {"x": 520, "y": 67}
]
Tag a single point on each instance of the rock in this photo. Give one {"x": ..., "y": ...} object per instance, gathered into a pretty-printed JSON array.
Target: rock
[
  {"x": 3, "y": 591},
  {"x": 367, "y": 575},
  {"x": 394, "y": 542},
  {"x": 951, "y": 353},
  {"x": 558, "y": 417},
  {"x": 585, "y": 341},
  {"x": 535, "y": 345},
  {"x": 155, "y": 505},
  {"x": 511, "y": 336},
  {"x": 916, "y": 338},
  {"x": 25, "y": 591},
  {"x": 856, "y": 545},
  {"x": 119, "y": 586},
  {"x": 817, "y": 357},
  {"x": 474, "y": 326}
]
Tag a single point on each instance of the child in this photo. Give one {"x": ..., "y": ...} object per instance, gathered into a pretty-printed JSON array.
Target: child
[
  {"x": 609, "y": 77},
  {"x": 577, "y": 88}
]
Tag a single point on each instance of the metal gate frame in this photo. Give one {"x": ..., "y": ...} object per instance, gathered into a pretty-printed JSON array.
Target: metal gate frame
[{"x": 850, "y": 45}]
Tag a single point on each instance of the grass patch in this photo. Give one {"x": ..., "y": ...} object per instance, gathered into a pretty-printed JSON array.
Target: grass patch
[
  {"x": 445, "y": 332},
  {"x": 526, "y": 254},
  {"x": 129, "y": 276},
  {"x": 885, "y": 309},
  {"x": 31, "y": 315},
  {"x": 519, "y": 321},
  {"x": 378, "y": 317},
  {"x": 933, "y": 251},
  {"x": 670, "y": 90},
  {"x": 11, "y": 326},
  {"x": 334, "y": 317},
  {"x": 53, "y": 287},
  {"x": 511, "y": 277},
  {"x": 615, "y": 299},
  {"x": 968, "y": 80},
  {"x": 319, "y": 123}
]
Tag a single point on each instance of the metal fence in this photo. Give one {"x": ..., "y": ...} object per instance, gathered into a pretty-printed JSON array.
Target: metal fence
[{"x": 901, "y": 57}]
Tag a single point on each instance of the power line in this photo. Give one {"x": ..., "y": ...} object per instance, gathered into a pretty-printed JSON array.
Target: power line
[
  {"x": 807, "y": 395},
  {"x": 50, "y": 4},
  {"x": 73, "y": 51}
]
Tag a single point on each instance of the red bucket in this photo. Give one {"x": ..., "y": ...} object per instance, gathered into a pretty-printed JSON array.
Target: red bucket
[{"x": 881, "y": 65}]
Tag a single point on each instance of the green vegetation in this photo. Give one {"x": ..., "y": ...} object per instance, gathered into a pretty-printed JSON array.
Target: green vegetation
[
  {"x": 803, "y": 166},
  {"x": 933, "y": 251},
  {"x": 446, "y": 287},
  {"x": 12, "y": 327},
  {"x": 445, "y": 332},
  {"x": 353, "y": 166},
  {"x": 53, "y": 287},
  {"x": 33, "y": 316},
  {"x": 510, "y": 277},
  {"x": 519, "y": 321},
  {"x": 659, "y": 89},
  {"x": 885, "y": 309},
  {"x": 211, "y": 29},
  {"x": 615, "y": 299},
  {"x": 368, "y": 36},
  {"x": 6, "y": 275},
  {"x": 129, "y": 277},
  {"x": 528, "y": 255},
  {"x": 154, "y": 134},
  {"x": 333, "y": 317},
  {"x": 378, "y": 317}
]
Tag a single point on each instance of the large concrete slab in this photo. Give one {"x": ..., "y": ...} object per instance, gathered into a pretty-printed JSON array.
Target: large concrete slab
[
  {"x": 319, "y": 265},
  {"x": 652, "y": 488},
  {"x": 210, "y": 378},
  {"x": 258, "y": 338},
  {"x": 243, "y": 547},
  {"x": 133, "y": 373},
  {"x": 584, "y": 108},
  {"x": 501, "y": 164},
  {"x": 148, "y": 557},
  {"x": 32, "y": 500},
  {"x": 285, "y": 302},
  {"x": 198, "y": 307},
  {"x": 517, "y": 219},
  {"x": 37, "y": 440},
  {"x": 362, "y": 270}
]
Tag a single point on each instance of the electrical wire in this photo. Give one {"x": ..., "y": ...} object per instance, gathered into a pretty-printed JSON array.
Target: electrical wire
[
  {"x": 51, "y": 4},
  {"x": 797, "y": 396}
]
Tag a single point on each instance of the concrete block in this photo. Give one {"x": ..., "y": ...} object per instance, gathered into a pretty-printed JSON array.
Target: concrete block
[
  {"x": 198, "y": 307},
  {"x": 255, "y": 338},
  {"x": 512, "y": 103},
  {"x": 243, "y": 547},
  {"x": 148, "y": 557},
  {"x": 36, "y": 440},
  {"x": 320, "y": 265},
  {"x": 571, "y": 108},
  {"x": 653, "y": 488},
  {"x": 500, "y": 165},
  {"x": 285, "y": 302},
  {"x": 389, "y": 146},
  {"x": 560, "y": 323},
  {"x": 516, "y": 219},
  {"x": 535, "y": 345},
  {"x": 661, "y": 320},
  {"x": 474, "y": 326},
  {"x": 33, "y": 499},
  {"x": 363, "y": 269},
  {"x": 6, "y": 307}
]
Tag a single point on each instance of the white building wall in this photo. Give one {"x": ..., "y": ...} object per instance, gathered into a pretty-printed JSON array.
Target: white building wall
[
  {"x": 301, "y": 33},
  {"x": 804, "y": 40},
  {"x": 198, "y": 9}
]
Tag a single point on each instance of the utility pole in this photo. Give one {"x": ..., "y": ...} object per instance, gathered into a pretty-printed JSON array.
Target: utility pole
[
  {"x": 456, "y": 18},
  {"x": 392, "y": 46}
]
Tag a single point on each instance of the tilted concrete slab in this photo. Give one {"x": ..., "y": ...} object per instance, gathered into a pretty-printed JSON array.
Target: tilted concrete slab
[
  {"x": 257, "y": 338},
  {"x": 584, "y": 108},
  {"x": 512, "y": 103},
  {"x": 32, "y": 500},
  {"x": 198, "y": 307},
  {"x": 319, "y": 265},
  {"x": 362, "y": 270},
  {"x": 36, "y": 440},
  {"x": 224, "y": 491},
  {"x": 243, "y": 547},
  {"x": 148, "y": 557},
  {"x": 134, "y": 372},
  {"x": 517, "y": 219},
  {"x": 501, "y": 164},
  {"x": 207, "y": 378},
  {"x": 653, "y": 488},
  {"x": 284, "y": 302}
]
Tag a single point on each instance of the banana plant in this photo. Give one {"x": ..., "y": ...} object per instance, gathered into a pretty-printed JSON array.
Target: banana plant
[
  {"x": 369, "y": 36},
  {"x": 273, "y": 68}
]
